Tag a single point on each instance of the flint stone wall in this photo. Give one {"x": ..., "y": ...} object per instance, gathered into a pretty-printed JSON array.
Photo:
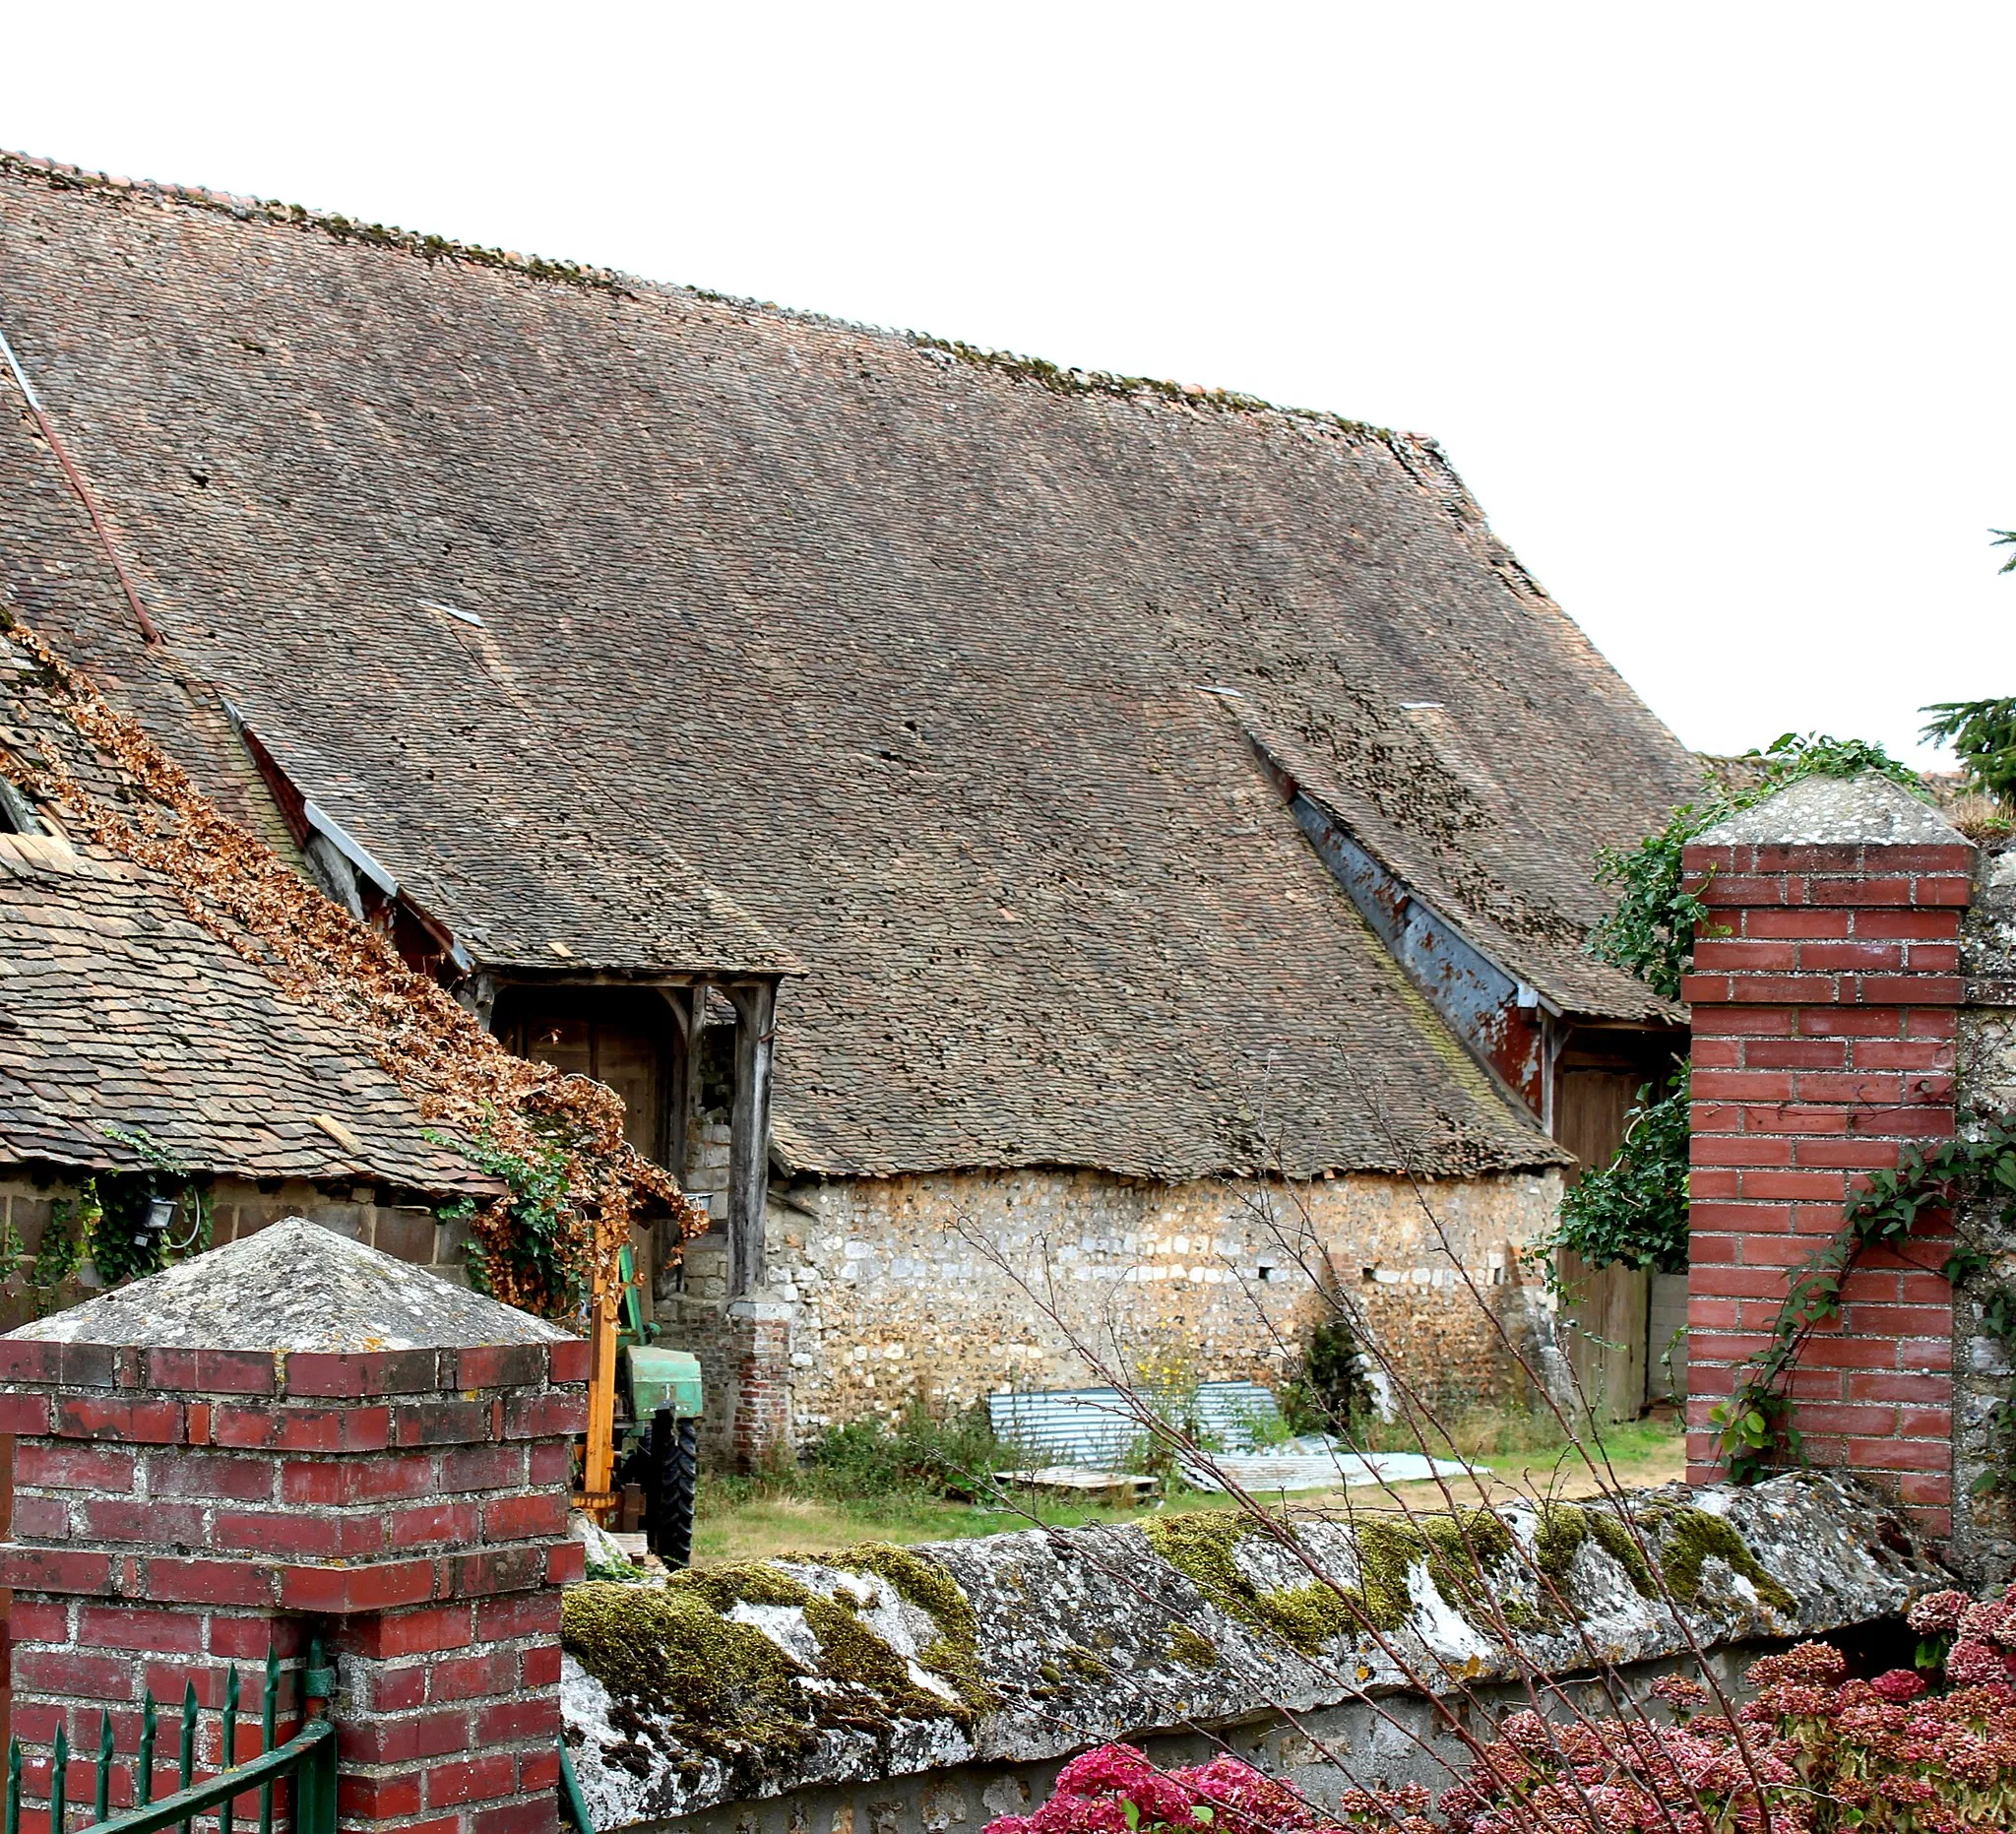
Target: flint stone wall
[
  {"x": 877, "y": 1293},
  {"x": 1081, "y": 1636},
  {"x": 1984, "y": 1525}
]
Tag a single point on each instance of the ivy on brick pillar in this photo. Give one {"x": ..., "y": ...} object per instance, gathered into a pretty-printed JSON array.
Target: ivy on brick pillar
[
  {"x": 296, "y": 1436},
  {"x": 1825, "y": 999}
]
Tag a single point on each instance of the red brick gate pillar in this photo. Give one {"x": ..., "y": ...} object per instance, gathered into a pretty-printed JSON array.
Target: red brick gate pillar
[
  {"x": 1825, "y": 1014},
  {"x": 183, "y": 1504}
]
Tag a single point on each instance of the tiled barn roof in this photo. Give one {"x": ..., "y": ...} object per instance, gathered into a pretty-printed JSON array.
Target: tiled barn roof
[
  {"x": 116, "y": 1008},
  {"x": 943, "y": 669}
]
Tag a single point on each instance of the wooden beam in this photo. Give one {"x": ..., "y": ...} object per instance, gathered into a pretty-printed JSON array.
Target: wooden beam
[
  {"x": 755, "y": 1003},
  {"x": 681, "y": 1089},
  {"x": 685, "y": 1091},
  {"x": 599, "y": 1457}
]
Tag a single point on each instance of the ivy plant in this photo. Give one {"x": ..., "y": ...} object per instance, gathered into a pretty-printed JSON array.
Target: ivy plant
[
  {"x": 1635, "y": 1209},
  {"x": 1633, "y": 1212},
  {"x": 536, "y": 1258},
  {"x": 120, "y": 1245},
  {"x": 1975, "y": 1169},
  {"x": 1649, "y": 931}
]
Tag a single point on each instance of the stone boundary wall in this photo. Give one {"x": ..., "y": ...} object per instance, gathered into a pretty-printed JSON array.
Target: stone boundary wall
[
  {"x": 181, "y": 1511},
  {"x": 1826, "y": 998},
  {"x": 1399, "y": 1740},
  {"x": 927, "y": 1686},
  {"x": 1984, "y": 1522}
]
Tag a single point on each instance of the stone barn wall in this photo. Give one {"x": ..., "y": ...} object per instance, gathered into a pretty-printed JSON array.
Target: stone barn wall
[{"x": 889, "y": 1289}]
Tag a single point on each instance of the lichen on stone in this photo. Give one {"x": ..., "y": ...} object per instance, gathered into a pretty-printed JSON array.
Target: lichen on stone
[
  {"x": 668, "y": 1654},
  {"x": 1473, "y": 1560},
  {"x": 1190, "y": 1649},
  {"x": 1200, "y": 1548},
  {"x": 1086, "y": 1664},
  {"x": 1688, "y": 1539},
  {"x": 679, "y": 1654},
  {"x": 955, "y": 1654},
  {"x": 1461, "y": 1553},
  {"x": 1614, "y": 1535}
]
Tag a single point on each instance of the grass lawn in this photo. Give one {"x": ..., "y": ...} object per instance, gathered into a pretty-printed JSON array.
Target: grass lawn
[{"x": 751, "y": 1522}]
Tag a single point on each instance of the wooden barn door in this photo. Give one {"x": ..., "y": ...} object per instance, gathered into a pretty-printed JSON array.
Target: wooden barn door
[{"x": 1607, "y": 1341}]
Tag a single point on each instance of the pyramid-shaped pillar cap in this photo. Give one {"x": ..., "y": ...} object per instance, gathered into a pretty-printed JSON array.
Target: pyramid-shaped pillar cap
[
  {"x": 1869, "y": 810},
  {"x": 294, "y": 1286}
]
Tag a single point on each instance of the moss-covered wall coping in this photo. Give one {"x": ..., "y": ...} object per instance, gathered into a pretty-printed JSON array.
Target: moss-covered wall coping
[{"x": 749, "y": 1681}]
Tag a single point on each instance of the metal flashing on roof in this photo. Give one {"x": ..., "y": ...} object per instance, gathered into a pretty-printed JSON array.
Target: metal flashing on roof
[
  {"x": 467, "y": 617},
  {"x": 359, "y": 855}
]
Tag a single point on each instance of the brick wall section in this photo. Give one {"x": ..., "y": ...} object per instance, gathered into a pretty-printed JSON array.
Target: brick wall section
[
  {"x": 177, "y": 1511},
  {"x": 1824, "y": 1027}
]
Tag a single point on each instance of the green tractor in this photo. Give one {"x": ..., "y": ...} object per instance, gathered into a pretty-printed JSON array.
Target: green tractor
[{"x": 641, "y": 1464}]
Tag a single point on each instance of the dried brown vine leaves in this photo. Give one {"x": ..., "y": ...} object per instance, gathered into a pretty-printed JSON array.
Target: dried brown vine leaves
[{"x": 459, "y": 1078}]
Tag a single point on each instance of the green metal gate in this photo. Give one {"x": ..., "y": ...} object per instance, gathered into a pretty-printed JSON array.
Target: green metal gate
[{"x": 307, "y": 1760}]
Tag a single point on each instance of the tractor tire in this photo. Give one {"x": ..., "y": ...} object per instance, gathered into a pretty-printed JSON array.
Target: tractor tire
[{"x": 675, "y": 1475}]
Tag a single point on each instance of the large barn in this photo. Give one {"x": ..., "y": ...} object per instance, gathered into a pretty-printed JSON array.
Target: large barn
[{"x": 1035, "y": 846}]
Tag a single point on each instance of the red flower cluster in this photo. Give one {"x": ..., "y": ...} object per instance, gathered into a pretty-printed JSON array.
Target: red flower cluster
[
  {"x": 1116, "y": 1789},
  {"x": 1822, "y": 1753}
]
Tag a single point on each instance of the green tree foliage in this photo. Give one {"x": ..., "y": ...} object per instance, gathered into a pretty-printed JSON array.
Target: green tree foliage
[
  {"x": 1982, "y": 734},
  {"x": 1650, "y": 930},
  {"x": 1331, "y": 1391}
]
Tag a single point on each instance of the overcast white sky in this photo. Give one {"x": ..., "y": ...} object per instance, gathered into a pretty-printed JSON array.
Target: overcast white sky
[{"x": 1711, "y": 305}]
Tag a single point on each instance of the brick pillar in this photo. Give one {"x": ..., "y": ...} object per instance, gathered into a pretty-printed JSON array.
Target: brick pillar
[
  {"x": 761, "y": 1333},
  {"x": 181, "y": 1509},
  {"x": 1824, "y": 1029}
]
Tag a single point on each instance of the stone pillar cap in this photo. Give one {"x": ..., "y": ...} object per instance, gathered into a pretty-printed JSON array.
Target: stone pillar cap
[
  {"x": 1869, "y": 810},
  {"x": 294, "y": 1286}
]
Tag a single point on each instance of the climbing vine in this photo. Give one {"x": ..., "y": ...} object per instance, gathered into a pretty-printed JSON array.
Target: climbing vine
[
  {"x": 1976, "y": 1168},
  {"x": 1650, "y": 930},
  {"x": 540, "y": 1249},
  {"x": 121, "y": 1244},
  {"x": 1633, "y": 1211}
]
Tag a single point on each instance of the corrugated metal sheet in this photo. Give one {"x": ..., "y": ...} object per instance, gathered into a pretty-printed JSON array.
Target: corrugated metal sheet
[{"x": 1097, "y": 1425}]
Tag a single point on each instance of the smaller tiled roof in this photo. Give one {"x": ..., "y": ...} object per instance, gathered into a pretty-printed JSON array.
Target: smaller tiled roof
[{"x": 116, "y": 1009}]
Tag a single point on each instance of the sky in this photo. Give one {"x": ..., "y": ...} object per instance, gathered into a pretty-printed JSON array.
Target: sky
[{"x": 1710, "y": 305}]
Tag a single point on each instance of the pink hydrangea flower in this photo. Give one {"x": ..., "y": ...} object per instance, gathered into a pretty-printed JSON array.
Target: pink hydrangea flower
[
  {"x": 1937, "y": 1613},
  {"x": 1899, "y": 1685},
  {"x": 1110, "y": 1767},
  {"x": 1972, "y": 1661}
]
